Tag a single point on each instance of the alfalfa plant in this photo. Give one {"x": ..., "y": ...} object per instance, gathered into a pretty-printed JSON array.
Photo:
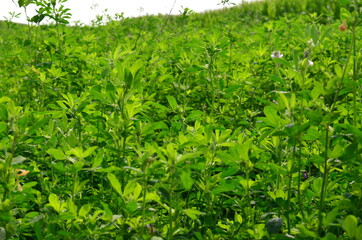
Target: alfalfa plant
[
  {"x": 53, "y": 9},
  {"x": 352, "y": 19}
]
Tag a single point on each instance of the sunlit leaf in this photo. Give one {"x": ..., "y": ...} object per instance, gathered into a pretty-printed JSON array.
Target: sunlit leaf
[
  {"x": 57, "y": 154},
  {"x": 115, "y": 183}
]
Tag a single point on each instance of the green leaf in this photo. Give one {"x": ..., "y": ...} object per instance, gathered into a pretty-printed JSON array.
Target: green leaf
[
  {"x": 186, "y": 156},
  {"x": 59, "y": 166},
  {"x": 272, "y": 117},
  {"x": 111, "y": 92},
  {"x": 345, "y": 14},
  {"x": 354, "y": 130},
  {"x": 283, "y": 62},
  {"x": 38, "y": 125},
  {"x": 130, "y": 186},
  {"x": 58, "y": 154},
  {"x": 338, "y": 70},
  {"x": 77, "y": 152},
  {"x": 29, "y": 185},
  {"x": 327, "y": 32},
  {"x": 359, "y": 233},
  {"x": 331, "y": 216},
  {"x": 115, "y": 183},
  {"x": 84, "y": 210},
  {"x": 229, "y": 171},
  {"x": 329, "y": 236},
  {"x": 238, "y": 218},
  {"x": 172, "y": 101},
  {"x": 97, "y": 161},
  {"x": 37, "y": 18},
  {"x": 337, "y": 151},
  {"x": 89, "y": 151},
  {"x": 77, "y": 166},
  {"x": 107, "y": 215},
  {"x": 37, "y": 230},
  {"x": 128, "y": 78},
  {"x": 276, "y": 78},
  {"x": 345, "y": 2},
  {"x": 193, "y": 213},
  {"x": 132, "y": 206},
  {"x": 137, "y": 191},
  {"x": 54, "y": 202},
  {"x": 156, "y": 238},
  {"x": 3, "y": 127},
  {"x": 21, "y": 3},
  {"x": 284, "y": 100},
  {"x": 186, "y": 179},
  {"x": 304, "y": 232},
  {"x": 350, "y": 226},
  {"x": 152, "y": 197},
  {"x": 3, "y": 113},
  {"x": 246, "y": 183},
  {"x": 72, "y": 208}
]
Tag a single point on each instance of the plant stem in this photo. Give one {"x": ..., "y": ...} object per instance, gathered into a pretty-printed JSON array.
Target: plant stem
[
  {"x": 144, "y": 198},
  {"x": 354, "y": 76},
  {"x": 324, "y": 183},
  {"x": 287, "y": 210},
  {"x": 211, "y": 75}
]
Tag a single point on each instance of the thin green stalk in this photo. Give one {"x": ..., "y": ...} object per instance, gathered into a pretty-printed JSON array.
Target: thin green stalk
[
  {"x": 300, "y": 176},
  {"x": 324, "y": 183},
  {"x": 354, "y": 76},
  {"x": 211, "y": 75},
  {"x": 139, "y": 34},
  {"x": 300, "y": 120},
  {"x": 248, "y": 199},
  {"x": 287, "y": 210},
  {"x": 144, "y": 198},
  {"x": 340, "y": 84},
  {"x": 171, "y": 215}
]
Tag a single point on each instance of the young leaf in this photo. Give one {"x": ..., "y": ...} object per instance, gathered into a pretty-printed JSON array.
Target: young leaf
[
  {"x": 192, "y": 213},
  {"x": 186, "y": 179},
  {"x": 115, "y": 183},
  {"x": 172, "y": 101},
  {"x": 89, "y": 151},
  {"x": 331, "y": 216},
  {"x": 72, "y": 207},
  {"x": 272, "y": 117},
  {"x": 359, "y": 233},
  {"x": 58, "y": 154},
  {"x": 350, "y": 226},
  {"x": 54, "y": 202},
  {"x": 84, "y": 210},
  {"x": 3, "y": 113},
  {"x": 131, "y": 185},
  {"x": 137, "y": 191}
]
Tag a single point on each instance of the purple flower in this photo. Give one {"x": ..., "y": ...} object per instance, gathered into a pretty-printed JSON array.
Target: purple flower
[{"x": 276, "y": 54}]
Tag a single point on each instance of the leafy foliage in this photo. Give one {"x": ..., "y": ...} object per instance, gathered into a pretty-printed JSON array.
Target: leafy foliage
[{"x": 243, "y": 123}]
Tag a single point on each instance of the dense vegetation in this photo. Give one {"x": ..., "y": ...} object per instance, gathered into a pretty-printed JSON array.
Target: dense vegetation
[{"x": 243, "y": 123}]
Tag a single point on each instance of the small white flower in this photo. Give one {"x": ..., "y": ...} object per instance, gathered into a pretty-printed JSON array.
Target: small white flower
[
  {"x": 276, "y": 54},
  {"x": 311, "y": 43},
  {"x": 310, "y": 63}
]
